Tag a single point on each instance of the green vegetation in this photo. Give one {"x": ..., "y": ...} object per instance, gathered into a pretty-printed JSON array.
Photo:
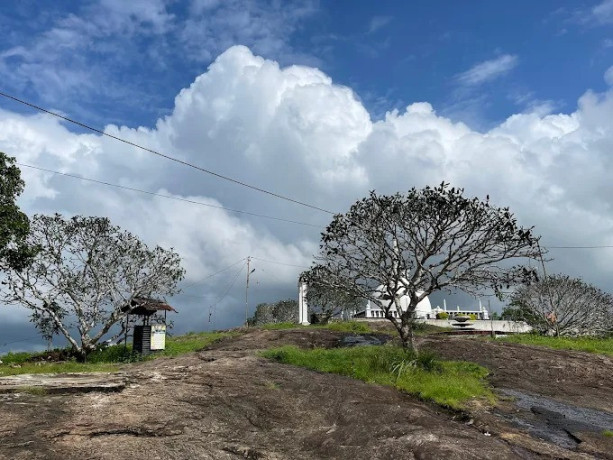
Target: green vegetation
[
  {"x": 425, "y": 329},
  {"x": 442, "y": 315},
  {"x": 68, "y": 367},
  {"x": 607, "y": 433},
  {"x": 448, "y": 383},
  {"x": 360, "y": 327},
  {"x": 589, "y": 344},
  {"x": 340, "y": 326},
  {"x": 347, "y": 326},
  {"x": 193, "y": 341},
  {"x": 108, "y": 359},
  {"x": 33, "y": 390}
]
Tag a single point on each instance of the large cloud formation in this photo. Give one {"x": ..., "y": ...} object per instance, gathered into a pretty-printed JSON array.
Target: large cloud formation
[{"x": 293, "y": 131}]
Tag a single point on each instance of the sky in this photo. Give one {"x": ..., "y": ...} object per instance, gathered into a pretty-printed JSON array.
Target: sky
[{"x": 320, "y": 101}]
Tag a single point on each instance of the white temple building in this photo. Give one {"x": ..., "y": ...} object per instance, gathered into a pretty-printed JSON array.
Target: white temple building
[{"x": 371, "y": 311}]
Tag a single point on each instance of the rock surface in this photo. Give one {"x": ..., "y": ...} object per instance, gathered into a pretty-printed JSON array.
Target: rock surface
[
  {"x": 228, "y": 403},
  {"x": 63, "y": 383}
]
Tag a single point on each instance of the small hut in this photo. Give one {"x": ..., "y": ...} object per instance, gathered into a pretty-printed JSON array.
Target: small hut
[{"x": 147, "y": 336}]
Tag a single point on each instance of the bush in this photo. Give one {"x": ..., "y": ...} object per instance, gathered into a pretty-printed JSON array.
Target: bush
[
  {"x": 442, "y": 315},
  {"x": 472, "y": 317}
]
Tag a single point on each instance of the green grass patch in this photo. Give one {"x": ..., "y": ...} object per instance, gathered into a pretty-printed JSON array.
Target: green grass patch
[
  {"x": 589, "y": 344},
  {"x": 57, "y": 368},
  {"x": 346, "y": 326},
  {"x": 108, "y": 359},
  {"x": 17, "y": 358},
  {"x": 607, "y": 433},
  {"x": 425, "y": 329},
  {"x": 33, "y": 390},
  {"x": 448, "y": 383},
  {"x": 193, "y": 341}
]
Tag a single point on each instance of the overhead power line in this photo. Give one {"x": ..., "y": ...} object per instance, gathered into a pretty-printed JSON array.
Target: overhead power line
[
  {"x": 20, "y": 340},
  {"x": 279, "y": 263},
  {"x": 163, "y": 155},
  {"x": 212, "y": 306},
  {"x": 170, "y": 197}
]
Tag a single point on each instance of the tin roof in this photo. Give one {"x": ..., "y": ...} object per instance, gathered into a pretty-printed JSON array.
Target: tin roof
[{"x": 146, "y": 306}]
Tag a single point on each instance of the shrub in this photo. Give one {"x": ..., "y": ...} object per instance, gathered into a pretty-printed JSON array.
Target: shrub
[
  {"x": 472, "y": 317},
  {"x": 442, "y": 315}
]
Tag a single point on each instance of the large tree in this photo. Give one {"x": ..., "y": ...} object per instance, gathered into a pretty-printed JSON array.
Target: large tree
[
  {"x": 429, "y": 239},
  {"x": 14, "y": 224},
  {"x": 85, "y": 272},
  {"x": 562, "y": 305}
]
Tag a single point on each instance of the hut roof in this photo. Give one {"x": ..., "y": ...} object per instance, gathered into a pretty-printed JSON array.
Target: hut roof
[{"x": 146, "y": 306}]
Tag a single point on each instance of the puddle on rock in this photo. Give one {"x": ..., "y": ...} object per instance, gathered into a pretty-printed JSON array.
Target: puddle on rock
[
  {"x": 555, "y": 421},
  {"x": 362, "y": 340}
]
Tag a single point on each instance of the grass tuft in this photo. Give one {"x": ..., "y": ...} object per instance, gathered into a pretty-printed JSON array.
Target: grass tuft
[
  {"x": 33, "y": 390},
  {"x": 589, "y": 344},
  {"x": 448, "y": 383},
  {"x": 607, "y": 433}
]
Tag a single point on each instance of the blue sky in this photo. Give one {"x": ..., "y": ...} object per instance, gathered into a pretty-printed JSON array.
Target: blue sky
[
  {"x": 125, "y": 64},
  {"x": 320, "y": 101}
]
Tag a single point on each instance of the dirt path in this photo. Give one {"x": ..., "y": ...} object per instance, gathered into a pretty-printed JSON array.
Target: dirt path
[{"x": 227, "y": 403}]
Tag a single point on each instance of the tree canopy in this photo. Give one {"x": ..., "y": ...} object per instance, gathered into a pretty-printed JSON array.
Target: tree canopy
[
  {"x": 85, "y": 272},
  {"x": 14, "y": 224},
  {"x": 420, "y": 242}
]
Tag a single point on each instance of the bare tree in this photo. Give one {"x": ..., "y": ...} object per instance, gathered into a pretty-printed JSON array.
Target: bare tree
[
  {"x": 328, "y": 301},
  {"x": 563, "y": 305},
  {"x": 430, "y": 239},
  {"x": 86, "y": 270}
]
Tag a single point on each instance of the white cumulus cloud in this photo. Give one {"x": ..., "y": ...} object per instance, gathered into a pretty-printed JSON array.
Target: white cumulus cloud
[{"x": 294, "y": 131}]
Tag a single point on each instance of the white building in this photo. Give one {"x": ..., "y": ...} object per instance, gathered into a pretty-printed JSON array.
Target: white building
[
  {"x": 424, "y": 309},
  {"x": 372, "y": 310},
  {"x": 481, "y": 313}
]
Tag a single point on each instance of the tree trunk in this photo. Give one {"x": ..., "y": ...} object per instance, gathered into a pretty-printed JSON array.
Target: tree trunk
[{"x": 407, "y": 337}]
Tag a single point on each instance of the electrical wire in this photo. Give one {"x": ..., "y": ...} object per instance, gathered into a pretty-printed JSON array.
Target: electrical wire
[
  {"x": 163, "y": 155},
  {"x": 17, "y": 341},
  {"x": 133, "y": 189},
  {"x": 279, "y": 263},
  {"x": 212, "y": 306},
  {"x": 196, "y": 283}
]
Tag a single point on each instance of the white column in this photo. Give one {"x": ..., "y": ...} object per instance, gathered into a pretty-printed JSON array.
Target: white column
[{"x": 303, "y": 307}]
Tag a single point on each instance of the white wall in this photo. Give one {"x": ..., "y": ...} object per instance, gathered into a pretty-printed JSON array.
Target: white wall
[{"x": 483, "y": 325}]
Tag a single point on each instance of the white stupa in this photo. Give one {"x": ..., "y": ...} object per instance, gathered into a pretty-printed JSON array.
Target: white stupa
[{"x": 372, "y": 310}]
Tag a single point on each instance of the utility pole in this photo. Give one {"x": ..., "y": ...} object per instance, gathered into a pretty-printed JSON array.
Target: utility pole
[{"x": 247, "y": 290}]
